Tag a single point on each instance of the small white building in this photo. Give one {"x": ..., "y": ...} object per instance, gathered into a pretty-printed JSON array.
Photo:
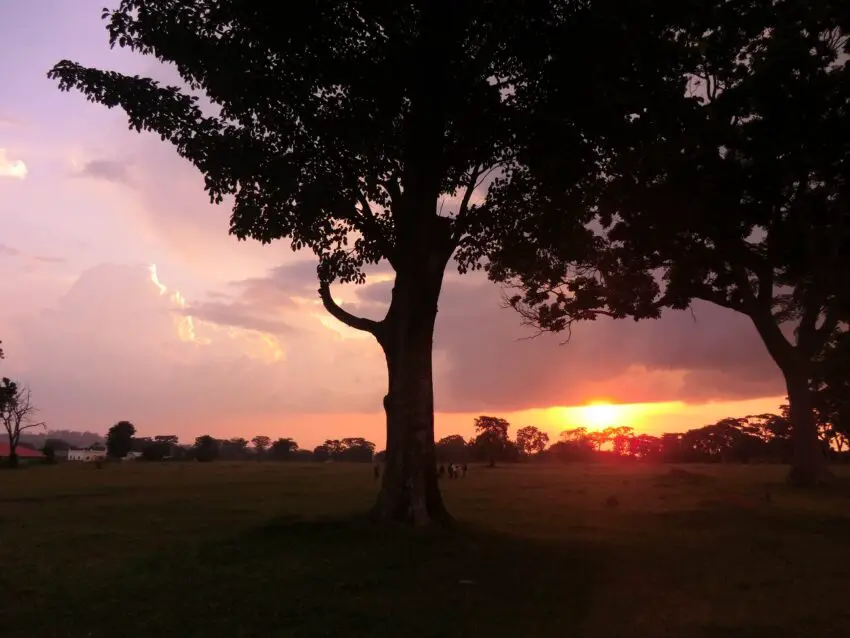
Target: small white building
[{"x": 86, "y": 455}]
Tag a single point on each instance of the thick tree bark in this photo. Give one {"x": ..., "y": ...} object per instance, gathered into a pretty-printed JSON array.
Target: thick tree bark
[
  {"x": 809, "y": 466},
  {"x": 409, "y": 491},
  {"x": 808, "y": 461}
]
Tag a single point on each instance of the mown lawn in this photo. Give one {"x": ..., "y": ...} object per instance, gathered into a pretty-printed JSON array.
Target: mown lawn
[{"x": 274, "y": 550}]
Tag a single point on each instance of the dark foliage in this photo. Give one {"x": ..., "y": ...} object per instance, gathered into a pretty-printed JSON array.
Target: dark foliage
[
  {"x": 360, "y": 131},
  {"x": 206, "y": 449},
  {"x": 119, "y": 439},
  {"x": 738, "y": 199}
]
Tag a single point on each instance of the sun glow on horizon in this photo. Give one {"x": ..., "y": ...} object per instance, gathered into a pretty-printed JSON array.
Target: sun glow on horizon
[{"x": 601, "y": 414}]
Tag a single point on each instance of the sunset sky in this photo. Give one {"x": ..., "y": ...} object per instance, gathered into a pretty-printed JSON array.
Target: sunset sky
[{"x": 122, "y": 296}]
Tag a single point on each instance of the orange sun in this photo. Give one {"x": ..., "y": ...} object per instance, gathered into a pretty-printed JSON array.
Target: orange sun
[{"x": 600, "y": 415}]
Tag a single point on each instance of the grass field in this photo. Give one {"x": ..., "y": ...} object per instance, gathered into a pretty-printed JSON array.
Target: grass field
[{"x": 276, "y": 550}]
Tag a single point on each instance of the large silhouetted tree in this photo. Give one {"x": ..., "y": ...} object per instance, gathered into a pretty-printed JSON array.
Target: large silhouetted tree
[
  {"x": 360, "y": 130},
  {"x": 741, "y": 199}
]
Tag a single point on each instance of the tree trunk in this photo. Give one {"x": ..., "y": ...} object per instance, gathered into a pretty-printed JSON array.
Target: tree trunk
[
  {"x": 808, "y": 464},
  {"x": 808, "y": 461},
  {"x": 409, "y": 490},
  {"x": 12, "y": 461}
]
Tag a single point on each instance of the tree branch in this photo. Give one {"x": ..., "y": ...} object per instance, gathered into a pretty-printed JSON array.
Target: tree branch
[
  {"x": 464, "y": 213},
  {"x": 394, "y": 189},
  {"x": 343, "y": 316},
  {"x": 370, "y": 225}
]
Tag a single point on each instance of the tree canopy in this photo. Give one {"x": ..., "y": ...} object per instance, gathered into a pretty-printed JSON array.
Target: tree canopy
[
  {"x": 740, "y": 198},
  {"x": 119, "y": 439},
  {"x": 410, "y": 132}
]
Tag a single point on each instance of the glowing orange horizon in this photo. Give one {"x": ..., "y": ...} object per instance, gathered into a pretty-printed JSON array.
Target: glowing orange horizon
[{"x": 310, "y": 429}]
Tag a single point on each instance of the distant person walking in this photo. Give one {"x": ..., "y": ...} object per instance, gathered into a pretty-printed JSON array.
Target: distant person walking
[
  {"x": 441, "y": 471},
  {"x": 463, "y": 469},
  {"x": 376, "y": 471}
]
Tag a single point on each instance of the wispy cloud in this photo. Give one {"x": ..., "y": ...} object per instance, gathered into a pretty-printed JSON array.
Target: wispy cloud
[
  {"x": 15, "y": 169},
  {"x": 50, "y": 260},
  {"x": 116, "y": 171},
  {"x": 8, "y": 251}
]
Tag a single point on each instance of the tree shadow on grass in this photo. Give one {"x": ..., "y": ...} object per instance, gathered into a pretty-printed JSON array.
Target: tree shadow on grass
[{"x": 344, "y": 578}]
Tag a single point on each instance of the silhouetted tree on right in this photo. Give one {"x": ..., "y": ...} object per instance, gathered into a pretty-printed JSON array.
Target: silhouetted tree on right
[{"x": 740, "y": 199}]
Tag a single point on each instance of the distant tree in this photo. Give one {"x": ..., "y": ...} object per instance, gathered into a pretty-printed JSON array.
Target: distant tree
[
  {"x": 575, "y": 435},
  {"x": 206, "y": 448},
  {"x": 261, "y": 444},
  {"x": 350, "y": 149},
  {"x": 49, "y": 454},
  {"x": 234, "y": 449},
  {"x": 302, "y": 456},
  {"x": 139, "y": 443},
  {"x": 17, "y": 413},
  {"x": 167, "y": 444},
  {"x": 642, "y": 446},
  {"x": 492, "y": 435},
  {"x": 621, "y": 439},
  {"x": 572, "y": 445},
  {"x": 156, "y": 451},
  {"x": 283, "y": 449},
  {"x": 531, "y": 440},
  {"x": 321, "y": 453},
  {"x": 452, "y": 449},
  {"x": 755, "y": 149},
  {"x": 119, "y": 439},
  {"x": 355, "y": 450},
  {"x": 334, "y": 447}
]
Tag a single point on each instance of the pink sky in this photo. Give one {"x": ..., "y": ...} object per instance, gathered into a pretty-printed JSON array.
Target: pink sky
[{"x": 125, "y": 298}]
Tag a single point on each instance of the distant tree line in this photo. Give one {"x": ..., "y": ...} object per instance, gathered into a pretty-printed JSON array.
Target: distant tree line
[
  {"x": 754, "y": 438},
  {"x": 121, "y": 441}
]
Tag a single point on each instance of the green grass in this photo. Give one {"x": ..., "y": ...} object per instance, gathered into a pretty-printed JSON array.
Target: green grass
[{"x": 277, "y": 550}]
